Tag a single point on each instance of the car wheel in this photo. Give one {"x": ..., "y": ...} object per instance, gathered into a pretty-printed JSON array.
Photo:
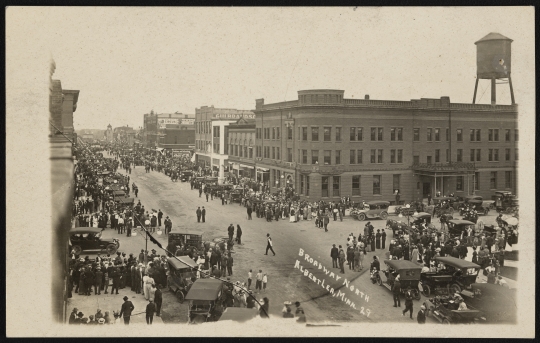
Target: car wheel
[
  {"x": 361, "y": 216},
  {"x": 384, "y": 215},
  {"x": 77, "y": 250},
  {"x": 180, "y": 296},
  {"x": 111, "y": 249},
  {"x": 455, "y": 288},
  {"x": 446, "y": 321},
  {"x": 426, "y": 290}
]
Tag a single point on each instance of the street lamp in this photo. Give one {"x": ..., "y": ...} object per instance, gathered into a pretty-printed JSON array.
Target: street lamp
[{"x": 408, "y": 214}]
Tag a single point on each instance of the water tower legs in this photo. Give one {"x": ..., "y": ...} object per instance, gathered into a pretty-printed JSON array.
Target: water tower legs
[
  {"x": 511, "y": 89},
  {"x": 475, "y": 89},
  {"x": 493, "y": 91}
]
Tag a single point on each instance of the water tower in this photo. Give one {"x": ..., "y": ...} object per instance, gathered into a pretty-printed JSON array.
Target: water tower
[{"x": 493, "y": 62}]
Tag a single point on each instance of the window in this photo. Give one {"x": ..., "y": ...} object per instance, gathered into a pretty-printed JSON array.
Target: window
[
  {"x": 376, "y": 133},
  {"x": 278, "y": 153},
  {"x": 416, "y": 134},
  {"x": 460, "y": 155},
  {"x": 447, "y": 155},
  {"x": 496, "y": 155},
  {"x": 459, "y": 183},
  {"x": 250, "y": 150},
  {"x": 273, "y": 133},
  {"x": 475, "y": 135},
  {"x": 314, "y": 134},
  {"x": 277, "y": 133},
  {"x": 507, "y": 135},
  {"x": 273, "y": 153},
  {"x": 396, "y": 134},
  {"x": 478, "y": 156},
  {"x": 392, "y": 156},
  {"x": 314, "y": 156},
  {"x": 289, "y": 132},
  {"x": 376, "y": 184},
  {"x": 490, "y": 155},
  {"x": 359, "y": 156},
  {"x": 335, "y": 185},
  {"x": 459, "y": 135},
  {"x": 396, "y": 182},
  {"x": 428, "y": 159},
  {"x": 327, "y": 134},
  {"x": 327, "y": 157},
  {"x": 437, "y": 155},
  {"x": 507, "y": 154},
  {"x": 338, "y": 134},
  {"x": 307, "y": 185},
  {"x": 429, "y": 137},
  {"x": 324, "y": 186},
  {"x": 258, "y": 134},
  {"x": 516, "y": 135},
  {"x": 216, "y": 131},
  {"x": 304, "y": 156},
  {"x": 496, "y": 135},
  {"x": 352, "y": 157},
  {"x": 472, "y": 154},
  {"x": 302, "y": 183},
  {"x": 289, "y": 154},
  {"x": 304, "y": 133},
  {"x": 380, "y": 156},
  {"x": 416, "y": 159},
  {"x": 437, "y": 135},
  {"x": 400, "y": 156},
  {"x": 356, "y": 185},
  {"x": 507, "y": 179},
  {"x": 338, "y": 156},
  {"x": 493, "y": 180},
  {"x": 516, "y": 155},
  {"x": 356, "y": 134},
  {"x": 373, "y": 153},
  {"x": 447, "y": 134},
  {"x": 476, "y": 181}
]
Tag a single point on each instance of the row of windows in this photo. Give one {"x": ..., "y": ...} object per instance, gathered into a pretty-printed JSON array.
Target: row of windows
[
  {"x": 493, "y": 181},
  {"x": 335, "y": 181},
  {"x": 475, "y": 135},
  {"x": 201, "y": 145},
  {"x": 240, "y": 151},
  {"x": 474, "y": 156},
  {"x": 203, "y": 127}
]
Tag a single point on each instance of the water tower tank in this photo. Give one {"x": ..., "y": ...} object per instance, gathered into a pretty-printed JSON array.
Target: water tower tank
[
  {"x": 493, "y": 62},
  {"x": 493, "y": 56}
]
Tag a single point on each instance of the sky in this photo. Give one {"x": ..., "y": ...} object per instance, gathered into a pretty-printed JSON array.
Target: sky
[{"x": 128, "y": 61}]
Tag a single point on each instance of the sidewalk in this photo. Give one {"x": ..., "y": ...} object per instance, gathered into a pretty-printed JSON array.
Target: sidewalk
[{"x": 109, "y": 302}]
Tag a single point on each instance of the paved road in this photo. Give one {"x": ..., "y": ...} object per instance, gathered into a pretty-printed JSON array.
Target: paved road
[{"x": 285, "y": 282}]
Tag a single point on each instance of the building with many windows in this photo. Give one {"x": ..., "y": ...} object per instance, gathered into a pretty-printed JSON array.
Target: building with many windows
[
  {"x": 241, "y": 148},
  {"x": 170, "y": 132},
  {"x": 211, "y": 137},
  {"x": 332, "y": 147}
]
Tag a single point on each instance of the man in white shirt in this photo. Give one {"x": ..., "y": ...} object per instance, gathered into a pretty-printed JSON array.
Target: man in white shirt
[{"x": 269, "y": 245}]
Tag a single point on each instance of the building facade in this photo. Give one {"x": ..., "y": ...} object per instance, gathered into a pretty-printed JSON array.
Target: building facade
[
  {"x": 124, "y": 135},
  {"x": 211, "y": 137},
  {"x": 171, "y": 132},
  {"x": 331, "y": 147},
  {"x": 241, "y": 145},
  {"x": 109, "y": 134}
]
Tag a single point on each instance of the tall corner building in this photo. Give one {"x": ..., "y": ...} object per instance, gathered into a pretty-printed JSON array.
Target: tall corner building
[{"x": 329, "y": 147}]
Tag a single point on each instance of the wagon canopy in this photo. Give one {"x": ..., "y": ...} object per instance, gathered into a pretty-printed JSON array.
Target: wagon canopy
[
  {"x": 205, "y": 289},
  {"x": 456, "y": 262}
]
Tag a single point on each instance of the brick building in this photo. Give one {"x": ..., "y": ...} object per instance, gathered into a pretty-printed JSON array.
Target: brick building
[
  {"x": 241, "y": 148},
  {"x": 171, "y": 132},
  {"x": 211, "y": 137},
  {"x": 124, "y": 134},
  {"x": 330, "y": 146}
]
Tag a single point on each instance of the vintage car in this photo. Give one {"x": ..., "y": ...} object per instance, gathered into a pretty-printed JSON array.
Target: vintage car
[
  {"x": 457, "y": 226},
  {"x": 454, "y": 275},
  {"x": 89, "y": 238},
  {"x": 180, "y": 274},
  {"x": 236, "y": 195},
  {"x": 445, "y": 310},
  {"x": 499, "y": 304},
  {"x": 396, "y": 226},
  {"x": 505, "y": 201},
  {"x": 186, "y": 175},
  {"x": 420, "y": 217},
  {"x": 409, "y": 274},
  {"x": 206, "y": 301},
  {"x": 377, "y": 209}
]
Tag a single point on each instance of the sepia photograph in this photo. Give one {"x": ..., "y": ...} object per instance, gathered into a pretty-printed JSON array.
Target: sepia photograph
[{"x": 270, "y": 171}]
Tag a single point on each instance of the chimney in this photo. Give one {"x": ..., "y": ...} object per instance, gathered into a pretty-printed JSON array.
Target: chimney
[
  {"x": 259, "y": 103},
  {"x": 366, "y": 97}
]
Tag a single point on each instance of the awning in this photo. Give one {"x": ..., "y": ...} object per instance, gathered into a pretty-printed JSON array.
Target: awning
[
  {"x": 246, "y": 166},
  {"x": 263, "y": 169}
]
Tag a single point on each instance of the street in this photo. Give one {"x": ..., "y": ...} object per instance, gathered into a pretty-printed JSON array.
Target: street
[{"x": 355, "y": 298}]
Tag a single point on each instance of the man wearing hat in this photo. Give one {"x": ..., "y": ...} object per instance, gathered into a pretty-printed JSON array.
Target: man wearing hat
[
  {"x": 98, "y": 280},
  {"x": 168, "y": 225},
  {"x": 127, "y": 308},
  {"x": 73, "y": 316},
  {"x": 150, "y": 311},
  {"x": 334, "y": 254}
]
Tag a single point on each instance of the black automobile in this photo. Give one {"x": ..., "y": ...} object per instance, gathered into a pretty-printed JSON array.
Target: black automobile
[{"x": 89, "y": 238}]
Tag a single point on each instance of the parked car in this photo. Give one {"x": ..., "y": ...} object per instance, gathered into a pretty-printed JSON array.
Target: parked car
[
  {"x": 377, "y": 209},
  {"x": 457, "y": 226},
  {"x": 445, "y": 310},
  {"x": 89, "y": 238}
]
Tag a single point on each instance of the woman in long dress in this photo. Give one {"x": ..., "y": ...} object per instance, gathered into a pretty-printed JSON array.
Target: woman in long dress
[
  {"x": 292, "y": 217},
  {"x": 309, "y": 215},
  {"x": 372, "y": 244},
  {"x": 305, "y": 212},
  {"x": 378, "y": 239}
]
